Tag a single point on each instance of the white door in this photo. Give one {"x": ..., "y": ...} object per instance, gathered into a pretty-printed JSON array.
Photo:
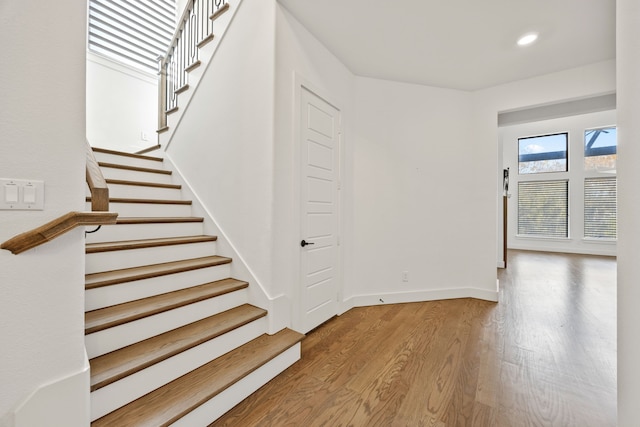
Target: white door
[{"x": 320, "y": 133}]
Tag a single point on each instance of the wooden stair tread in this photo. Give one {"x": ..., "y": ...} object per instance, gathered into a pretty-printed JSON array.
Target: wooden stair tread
[
  {"x": 170, "y": 402},
  {"x": 108, "y": 317},
  {"x": 118, "y": 364},
  {"x": 92, "y": 248},
  {"x": 106, "y": 278},
  {"x": 134, "y": 168},
  {"x": 125, "y": 154},
  {"x": 157, "y": 220},
  {"x": 146, "y": 201},
  {"x": 143, "y": 184}
]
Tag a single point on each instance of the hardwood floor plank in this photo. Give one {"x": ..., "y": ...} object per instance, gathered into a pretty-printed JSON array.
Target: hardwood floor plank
[{"x": 544, "y": 356}]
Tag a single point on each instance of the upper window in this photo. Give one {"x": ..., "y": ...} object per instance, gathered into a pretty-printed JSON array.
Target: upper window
[
  {"x": 133, "y": 32},
  {"x": 600, "y": 149},
  {"x": 541, "y": 154}
]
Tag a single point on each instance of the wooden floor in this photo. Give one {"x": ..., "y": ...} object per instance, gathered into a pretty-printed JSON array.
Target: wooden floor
[{"x": 544, "y": 356}]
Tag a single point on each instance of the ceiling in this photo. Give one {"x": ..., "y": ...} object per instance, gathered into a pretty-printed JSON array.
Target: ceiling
[{"x": 460, "y": 44}]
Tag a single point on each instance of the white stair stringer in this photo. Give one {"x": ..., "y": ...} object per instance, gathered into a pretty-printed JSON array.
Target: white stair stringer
[
  {"x": 206, "y": 55},
  {"x": 108, "y": 340},
  {"x": 106, "y": 296},
  {"x": 116, "y": 260},
  {"x": 113, "y": 396},
  {"x": 225, "y": 401}
]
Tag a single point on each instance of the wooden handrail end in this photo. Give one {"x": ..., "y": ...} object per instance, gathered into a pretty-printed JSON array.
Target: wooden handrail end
[{"x": 52, "y": 229}]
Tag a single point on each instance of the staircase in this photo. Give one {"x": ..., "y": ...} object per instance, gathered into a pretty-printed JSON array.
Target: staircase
[{"x": 170, "y": 336}]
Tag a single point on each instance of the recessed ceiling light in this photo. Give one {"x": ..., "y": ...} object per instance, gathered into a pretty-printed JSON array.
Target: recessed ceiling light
[{"x": 527, "y": 39}]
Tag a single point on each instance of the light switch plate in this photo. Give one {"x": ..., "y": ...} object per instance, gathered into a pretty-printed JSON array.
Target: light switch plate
[{"x": 21, "y": 194}]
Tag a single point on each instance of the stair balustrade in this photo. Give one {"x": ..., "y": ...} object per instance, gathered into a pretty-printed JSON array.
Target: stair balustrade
[{"x": 194, "y": 29}]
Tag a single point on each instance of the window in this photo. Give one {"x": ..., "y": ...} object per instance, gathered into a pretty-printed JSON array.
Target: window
[
  {"x": 543, "y": 208},
  {"x": 133, "y": 32},
  {"x": 600, "y": 207},
  {"x": 600, "y": 149},
  {"x": 540, "y": 154}
]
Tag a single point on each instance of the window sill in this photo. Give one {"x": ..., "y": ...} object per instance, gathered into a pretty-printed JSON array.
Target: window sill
[
  {"x": 543, "y": 238},
  {"x": 600, "y": 241}
]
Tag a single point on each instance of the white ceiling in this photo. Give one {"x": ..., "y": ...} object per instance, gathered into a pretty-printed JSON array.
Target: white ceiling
[{"x": 460, "y": 44}]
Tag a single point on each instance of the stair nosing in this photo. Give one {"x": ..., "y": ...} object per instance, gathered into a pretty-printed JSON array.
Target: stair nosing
[
  {"x": 143, "y": 184},
  {"x": 157, "y": 350},
  {"x": 150, "y": 271},
  {"x": 146, "y": 201},
  {"x": 201, "y": 382},
  {"x": 156, "y": 220},
  {"x": 219, "y": 12},
  {"x": 139, "y": 309},
  {"x": 125, "y": 154},
  {"x": 134, "y": 168},
  {"x": 123, "y": 245}
]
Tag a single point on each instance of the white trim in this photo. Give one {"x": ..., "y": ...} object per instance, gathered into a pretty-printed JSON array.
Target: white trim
[
  {"x": 611, "y": 251},
  {"x": 422, "y": 296},
  {"x": 300, "y": 82},
  {"x": 207, "y": 55},
  {"x": 276, "y": 306}
]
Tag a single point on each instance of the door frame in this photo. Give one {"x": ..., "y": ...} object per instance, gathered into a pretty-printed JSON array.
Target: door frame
[{"x": 300, "y": 84}]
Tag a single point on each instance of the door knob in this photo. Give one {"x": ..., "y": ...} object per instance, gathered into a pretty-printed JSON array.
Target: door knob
[{"x": 305, "y": 243}]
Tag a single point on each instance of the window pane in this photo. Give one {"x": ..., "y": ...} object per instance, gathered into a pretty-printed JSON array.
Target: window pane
[
  {"x": 600, "y": 149},
  {"x": 600, "y": 208},
  {"x": 543, "y": 208},
  {"x": 540, "y": 154}
]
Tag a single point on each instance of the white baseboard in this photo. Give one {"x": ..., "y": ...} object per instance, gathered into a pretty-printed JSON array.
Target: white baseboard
[{"x": 420, "y": 296}]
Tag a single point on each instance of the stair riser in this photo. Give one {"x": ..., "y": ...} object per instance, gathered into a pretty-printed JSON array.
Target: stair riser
[
  {"x": 143, "y": 192},
  {"x": 129, "y": 175},
  {"x": 214, "y": 408},
  {"x": 117, "y": 232},
  {"x": 121, "y": 392},
  {"x": 116, "y": 260},
  {"x": 129, "y": 161},
  {"x": 111, "y": 339},
  {"x": 107, "y": 296},
  {"x": 148, "y": 209}
]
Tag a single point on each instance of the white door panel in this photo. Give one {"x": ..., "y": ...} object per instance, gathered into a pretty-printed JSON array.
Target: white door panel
[{"x": 319, "y": 260}]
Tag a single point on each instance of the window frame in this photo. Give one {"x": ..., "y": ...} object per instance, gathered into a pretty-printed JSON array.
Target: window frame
[{"x": 545, "y": 155}]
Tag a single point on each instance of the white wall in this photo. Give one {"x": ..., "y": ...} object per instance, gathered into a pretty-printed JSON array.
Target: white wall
[
  {"x": 414, "y": 189},
  {"x": 577, "y": 83},
  {"x": 301, "y": 59},
  {"x": 122, "y": 104},
  {"x": 628, "y": 70},
  {"x": 42, "y": 137},
  {"x": 575, "y": 126},
  {"x": 223, "y": 144}
]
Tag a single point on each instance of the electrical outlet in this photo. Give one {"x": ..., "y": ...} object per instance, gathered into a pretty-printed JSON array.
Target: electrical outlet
[
  {"x": 405, "y": 276},
  {"x": 144, "y": 136}
]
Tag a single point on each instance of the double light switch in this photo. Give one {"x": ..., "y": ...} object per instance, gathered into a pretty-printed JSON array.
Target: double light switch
[{"x": 21, "y": 194}]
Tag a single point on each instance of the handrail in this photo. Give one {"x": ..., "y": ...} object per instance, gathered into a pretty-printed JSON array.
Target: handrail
[
  {"x": 55, "y": 228},
  {"x": 52, "y": 229},
  {"x": 193, "y": 30},
  {"x": 97, "y": 183}
]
